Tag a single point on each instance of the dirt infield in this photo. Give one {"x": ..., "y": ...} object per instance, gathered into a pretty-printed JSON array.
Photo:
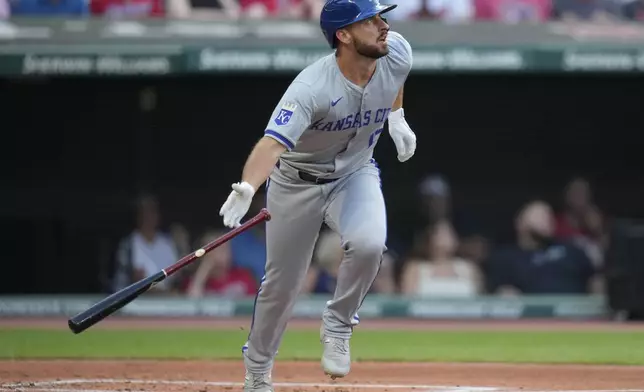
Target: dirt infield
[{"x": 206, "y": 376}]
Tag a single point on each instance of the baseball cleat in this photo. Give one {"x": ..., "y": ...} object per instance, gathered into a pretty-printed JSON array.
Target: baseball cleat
[
  {"x": 336, "y": 358},
  {"x": 258, "y": 382}
]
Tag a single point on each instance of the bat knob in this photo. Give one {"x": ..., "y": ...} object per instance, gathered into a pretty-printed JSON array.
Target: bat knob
[
  {"x": 75, "y": 328},
  {"x": 265, "y": 214}
]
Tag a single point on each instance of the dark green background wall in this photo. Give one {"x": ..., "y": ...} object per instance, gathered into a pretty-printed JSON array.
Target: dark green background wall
[{"x": 77, "y": 150}]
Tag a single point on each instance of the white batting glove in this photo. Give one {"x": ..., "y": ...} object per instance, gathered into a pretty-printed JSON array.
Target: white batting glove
[
  {"x": 403, "y": 137},
  {"x": 237, "y": 204}
]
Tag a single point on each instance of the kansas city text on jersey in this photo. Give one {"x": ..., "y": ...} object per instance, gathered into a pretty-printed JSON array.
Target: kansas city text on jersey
[{"x": 352, "y": 121}]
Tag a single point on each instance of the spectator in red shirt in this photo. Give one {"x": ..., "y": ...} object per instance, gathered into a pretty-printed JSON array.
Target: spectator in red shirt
[
  {"x": 574, "y": 220},
  {"x": 298, "y": 9},
  {"x": 203, "y": 9},
  {"x": 128, "y": 8},
  {"x": 581, "y": 221},
  {"x": 632, "y": 10},
  {"x": 513, "y": 11},
  {"x": 216, "y": 275}
]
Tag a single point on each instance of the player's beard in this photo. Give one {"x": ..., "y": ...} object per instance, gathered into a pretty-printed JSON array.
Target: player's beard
[{"x": 370, "y": 51}]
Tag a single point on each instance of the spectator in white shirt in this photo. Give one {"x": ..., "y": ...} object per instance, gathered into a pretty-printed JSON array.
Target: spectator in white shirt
[
  {"x": 146, "y": 250},
  {"x": 439, "y": 272}
]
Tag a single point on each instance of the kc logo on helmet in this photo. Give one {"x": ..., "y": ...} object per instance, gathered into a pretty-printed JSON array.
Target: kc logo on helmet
[{"x": 285, "y": 114}]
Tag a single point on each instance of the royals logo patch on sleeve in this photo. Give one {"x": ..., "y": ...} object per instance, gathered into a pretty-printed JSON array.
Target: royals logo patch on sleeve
[{"x": 285, "y": 114}]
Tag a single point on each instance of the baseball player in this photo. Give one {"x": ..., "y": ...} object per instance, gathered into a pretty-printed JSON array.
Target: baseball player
[{"x": 315, "y": 158}]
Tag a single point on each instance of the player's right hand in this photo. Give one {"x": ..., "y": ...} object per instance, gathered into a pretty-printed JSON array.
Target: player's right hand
[{"x": 237, "y": 204}]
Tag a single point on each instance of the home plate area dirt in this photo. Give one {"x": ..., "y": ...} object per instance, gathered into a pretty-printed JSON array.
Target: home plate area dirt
[{"x": 207, "y": 376}]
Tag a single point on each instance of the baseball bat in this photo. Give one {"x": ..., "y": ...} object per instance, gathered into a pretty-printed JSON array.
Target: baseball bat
[{"x": 119, "y": 299}]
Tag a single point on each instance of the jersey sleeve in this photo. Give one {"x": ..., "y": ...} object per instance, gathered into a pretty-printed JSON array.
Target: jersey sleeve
[
  {"x": 400, "y": 52},
  {"x": 292, "y": 115}
]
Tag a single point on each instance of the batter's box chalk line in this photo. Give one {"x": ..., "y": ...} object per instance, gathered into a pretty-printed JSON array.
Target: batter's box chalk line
[
  {"x": 50, "y": 385},
  {"x": 55, "y": 386}
]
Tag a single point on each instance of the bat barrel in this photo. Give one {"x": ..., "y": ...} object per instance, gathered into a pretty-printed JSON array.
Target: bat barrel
[{"x": 111, "y": 304}]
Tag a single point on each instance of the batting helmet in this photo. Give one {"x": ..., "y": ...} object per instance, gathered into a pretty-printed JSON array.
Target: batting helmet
[{"x": 337, "y": 14}]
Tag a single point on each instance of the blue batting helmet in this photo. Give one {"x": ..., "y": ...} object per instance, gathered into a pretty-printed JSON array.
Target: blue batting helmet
[{"x": 337, "y": 14}]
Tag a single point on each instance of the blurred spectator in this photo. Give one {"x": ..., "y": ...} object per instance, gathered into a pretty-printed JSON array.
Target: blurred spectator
[
  {"x": 181, "y": 238},
  {"x": 513, "y": 11},
  {"x": 4, "y": 9},
  {"x": 448, "y": 11},
  {"x": 49, "y": 7},
  {"x": 538, "y": 263},
  {"x": 327, "y": 258},
  {"x": 128, "y": 8},
  {"x": 249, "y": 247},
  {"x": 451, "y": 11},
  {"x": 633, "y": 10},
  {"x": 217, "y": 276},
  {"x": 146, "y": 250},
  {"x": 436, "y": 206},
  {"x": 437, "y": 198},
  {"x": 406, "y": 10},
  {"x": 259, "y": 9},
  {"x": 474, "y": 247},
  {"x": 586, "y": 10},
  {"x": 581, "y": 222},
  {"x": 250, "y": 9},
  {"x": 262, "y": 9},
  {"x": 439, "y": 272},
  {"x": 302, "y": 9},
  {"x": 572, "y": 220},
  {"x": 203, "y": 9}
]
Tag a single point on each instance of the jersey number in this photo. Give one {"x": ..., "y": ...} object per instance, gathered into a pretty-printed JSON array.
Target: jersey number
[{"x": 374, "y": 136}]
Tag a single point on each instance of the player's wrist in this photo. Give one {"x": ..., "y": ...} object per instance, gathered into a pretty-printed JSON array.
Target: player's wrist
[
  {"x": 397, "y": 116},
  {"x": 248, "y": 187}
]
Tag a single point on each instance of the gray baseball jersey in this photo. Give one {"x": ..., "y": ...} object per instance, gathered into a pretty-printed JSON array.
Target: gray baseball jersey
[{"x": 330, "y": 127}]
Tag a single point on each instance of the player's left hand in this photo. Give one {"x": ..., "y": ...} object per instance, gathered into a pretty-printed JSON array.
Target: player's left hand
[
  {"x": 402, "y": 135},
  {"x": 237, "y": 204}
]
